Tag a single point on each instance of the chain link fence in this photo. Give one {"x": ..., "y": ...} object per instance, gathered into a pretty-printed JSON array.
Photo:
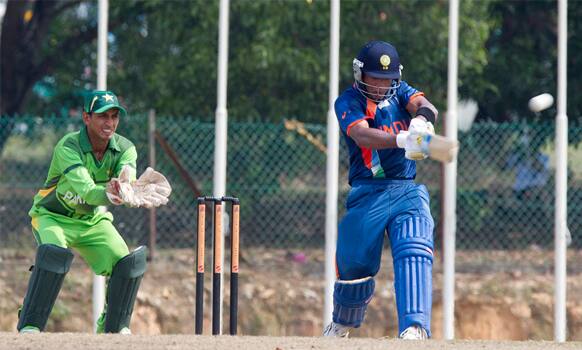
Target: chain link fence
[{"x": 505, "y": 194}]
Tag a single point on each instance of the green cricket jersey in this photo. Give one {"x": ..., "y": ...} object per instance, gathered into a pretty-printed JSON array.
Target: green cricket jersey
[{"x": 76, "y": 181}]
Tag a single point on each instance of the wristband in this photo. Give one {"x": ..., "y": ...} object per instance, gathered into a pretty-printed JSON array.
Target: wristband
[{"x": 427, "y": 113}]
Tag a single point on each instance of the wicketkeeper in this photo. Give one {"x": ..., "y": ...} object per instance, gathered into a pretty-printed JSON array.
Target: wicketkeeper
[{"x": 90, "y": 169}]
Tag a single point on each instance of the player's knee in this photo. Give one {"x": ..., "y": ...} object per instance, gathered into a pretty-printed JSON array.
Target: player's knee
[
  {"x": 110, "y": 261},
  {"x": 351, "y": 269},
  {"x": 358, "y": 263},
  {"x": 413, "y": 248},
  {"x": 413, "y": 237},
  {"x": 105, "y": 266},
  {"x": 53, "y": 258},
  {"x": 132, "y": 265},
  {"x": 51, "y": 237}
]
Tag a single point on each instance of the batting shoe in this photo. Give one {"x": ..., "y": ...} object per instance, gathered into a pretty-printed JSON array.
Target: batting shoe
[
  {"x": 101, "y": 326},
  {"x": 29, "y": 330},
  {"x": 413, "y": 333},
  {"x": 125, "y": 331},
  {"x": 336, "y": 330}
]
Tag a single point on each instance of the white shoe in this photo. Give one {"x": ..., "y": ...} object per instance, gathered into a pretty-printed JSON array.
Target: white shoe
[
  {"x": 336, "y": 330},
  {"x": 125, "y": 331},
  {"x": 414, "y": 333}
]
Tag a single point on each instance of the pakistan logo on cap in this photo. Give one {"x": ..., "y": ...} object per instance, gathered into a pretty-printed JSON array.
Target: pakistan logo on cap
[{"x": 102, "y": 101}]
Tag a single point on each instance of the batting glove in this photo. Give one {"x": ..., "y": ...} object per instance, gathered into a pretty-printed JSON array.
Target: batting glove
[
  {"x": 415, "y": 144},
  {"x": 418, "y": 125}
]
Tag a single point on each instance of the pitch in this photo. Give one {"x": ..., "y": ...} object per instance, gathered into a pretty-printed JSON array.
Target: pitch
[{"x": 76, "y": 341}]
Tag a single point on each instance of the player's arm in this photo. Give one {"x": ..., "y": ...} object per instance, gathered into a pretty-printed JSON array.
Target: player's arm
[
  {"x": 420, "y": 106},
  {"x": 128, "y": 158},
  {"x": 352, "y": 120},
  {"x": 367, "y": 137},
  {"x": 78, "y": 176}
]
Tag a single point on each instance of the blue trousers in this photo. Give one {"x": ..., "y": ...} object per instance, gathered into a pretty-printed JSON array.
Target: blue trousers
[{"x": 400, "y": 208}]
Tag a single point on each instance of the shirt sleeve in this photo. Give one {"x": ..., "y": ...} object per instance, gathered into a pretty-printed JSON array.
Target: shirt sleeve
[
  {"x": 129, "y": 157},
  {"x": 71, "y": 166},
  {"x": 348, "y": 112},
  {"x": 405, "y": 93}
]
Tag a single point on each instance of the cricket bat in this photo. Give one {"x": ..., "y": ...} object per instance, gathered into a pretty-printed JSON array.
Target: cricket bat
[{"x": 441, "y": 148}]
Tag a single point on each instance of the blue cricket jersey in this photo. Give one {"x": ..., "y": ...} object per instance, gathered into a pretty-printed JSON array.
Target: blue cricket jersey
[{"x": 389, "y": 115}]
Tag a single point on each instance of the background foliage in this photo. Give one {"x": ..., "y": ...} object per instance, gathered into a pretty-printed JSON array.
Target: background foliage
[{"x": 163, "y": 54}]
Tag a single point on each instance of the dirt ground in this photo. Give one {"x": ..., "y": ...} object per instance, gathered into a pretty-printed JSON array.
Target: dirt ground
[
  {"x": 500, "y": 295},
  {"x": 75, "y": 341}
]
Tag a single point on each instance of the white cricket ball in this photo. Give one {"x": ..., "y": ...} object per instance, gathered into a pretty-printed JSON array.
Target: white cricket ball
[{"x": 540, "y": 102}]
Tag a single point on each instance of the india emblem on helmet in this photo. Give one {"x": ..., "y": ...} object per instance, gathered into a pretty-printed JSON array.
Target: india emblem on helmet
[{"x": 385, "y": 61}]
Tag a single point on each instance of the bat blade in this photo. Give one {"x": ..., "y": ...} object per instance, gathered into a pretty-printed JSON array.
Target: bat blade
[{"x": 442, "y": 149}]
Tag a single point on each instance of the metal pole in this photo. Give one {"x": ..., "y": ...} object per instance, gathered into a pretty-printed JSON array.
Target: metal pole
[
  {"x": 332, "y": 164},
  {"x": 152, "y": 162},
  {"x": 99, "y": 281},
  {"x": 102, "y": 32},
  {"x": 450, "y": 180},
  {"x": 560, "y": 219},
  {"x": 221, "y": 133}
]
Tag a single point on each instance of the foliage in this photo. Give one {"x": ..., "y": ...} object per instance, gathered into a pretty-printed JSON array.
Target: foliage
[
  {"x": 37, "y": 150},
  {"x": 522, "y": 65},
  {"x": 163, "y": 54}
]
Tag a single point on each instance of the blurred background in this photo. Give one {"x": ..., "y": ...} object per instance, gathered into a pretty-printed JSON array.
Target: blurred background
[{"x": 163, "y": 65}]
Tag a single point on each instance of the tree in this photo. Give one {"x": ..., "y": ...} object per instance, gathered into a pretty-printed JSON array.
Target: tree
[
  {"x": 522, "y": 59},
  {"x": 26, "y": 52},
  {"x": 162, "y": 54},
  {"x": 278, "y": 52}
]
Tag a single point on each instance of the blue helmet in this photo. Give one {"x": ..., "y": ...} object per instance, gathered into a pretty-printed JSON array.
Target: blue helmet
[{"x": 377, "y": 59}]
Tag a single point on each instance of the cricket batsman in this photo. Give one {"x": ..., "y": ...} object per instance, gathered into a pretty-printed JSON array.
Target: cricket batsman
[
  {"x": 384, "y": 120},
  {"x": 90, "y": 169}
]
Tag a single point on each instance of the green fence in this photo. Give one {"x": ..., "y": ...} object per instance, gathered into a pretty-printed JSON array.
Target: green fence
[{"x": 505, "y": 193}]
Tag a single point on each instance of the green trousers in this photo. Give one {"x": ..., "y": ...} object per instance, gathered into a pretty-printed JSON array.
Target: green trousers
[{"x": 99, "y": 243}]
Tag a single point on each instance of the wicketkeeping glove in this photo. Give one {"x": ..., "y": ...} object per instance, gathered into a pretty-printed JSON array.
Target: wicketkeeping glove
[
  {"x": 151, "y": 189},
  {"x": 112, "y": 192},
  {"x": 119, "y": 189}
]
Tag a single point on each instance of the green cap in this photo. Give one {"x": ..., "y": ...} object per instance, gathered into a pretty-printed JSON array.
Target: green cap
[{"x": 100, "y": 101}]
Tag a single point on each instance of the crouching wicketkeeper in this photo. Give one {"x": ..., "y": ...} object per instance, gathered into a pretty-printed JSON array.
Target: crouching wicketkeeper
[{"x": 90, "y": 169}]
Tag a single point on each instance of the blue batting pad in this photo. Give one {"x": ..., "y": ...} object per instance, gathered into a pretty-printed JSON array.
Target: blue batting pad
[
  {"x": 351, "y": 299},
  {"x": 412, "y": 252}
]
